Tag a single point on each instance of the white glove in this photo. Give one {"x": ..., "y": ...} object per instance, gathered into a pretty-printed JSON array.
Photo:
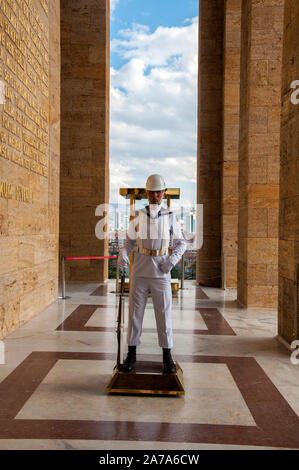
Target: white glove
[
  {"x": 123, "y": 261},
  {"x": 166, "y": 266}
]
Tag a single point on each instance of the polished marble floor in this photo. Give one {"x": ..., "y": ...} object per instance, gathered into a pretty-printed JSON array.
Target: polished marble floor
[{"x": 242, "y": 391}]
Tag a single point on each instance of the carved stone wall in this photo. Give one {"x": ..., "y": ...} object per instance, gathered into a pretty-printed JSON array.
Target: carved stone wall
[{"x": 29, "y": 158}]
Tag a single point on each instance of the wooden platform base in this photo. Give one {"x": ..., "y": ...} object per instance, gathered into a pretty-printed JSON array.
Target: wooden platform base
[{"x": 146, "y": 379}]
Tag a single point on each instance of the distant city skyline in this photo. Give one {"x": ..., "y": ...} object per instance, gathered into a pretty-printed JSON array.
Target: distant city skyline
[{"x": 119, "y": 217}]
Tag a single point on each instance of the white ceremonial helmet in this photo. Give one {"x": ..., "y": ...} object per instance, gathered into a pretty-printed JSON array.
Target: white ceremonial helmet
[{"x": 155, "y": 183}]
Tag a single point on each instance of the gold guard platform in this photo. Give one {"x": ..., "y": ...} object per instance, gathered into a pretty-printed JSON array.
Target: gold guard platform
[{"x": 147, "y": 379}]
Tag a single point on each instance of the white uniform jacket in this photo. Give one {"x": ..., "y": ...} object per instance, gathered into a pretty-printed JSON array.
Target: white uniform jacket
[{"x": 153, "y": 233}]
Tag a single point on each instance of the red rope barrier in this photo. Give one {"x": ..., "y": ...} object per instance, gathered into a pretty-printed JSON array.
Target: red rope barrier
[{"x": 92, "y": 257}]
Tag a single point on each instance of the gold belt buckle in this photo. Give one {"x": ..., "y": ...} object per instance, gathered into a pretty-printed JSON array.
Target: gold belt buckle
[{"x": 149, "y": 252}]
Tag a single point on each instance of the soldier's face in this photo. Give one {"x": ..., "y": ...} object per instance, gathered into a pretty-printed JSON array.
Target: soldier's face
[{"x": 155, "y": 197}]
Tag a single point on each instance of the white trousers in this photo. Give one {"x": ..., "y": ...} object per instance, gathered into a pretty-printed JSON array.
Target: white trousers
[{"x": 160, "y": 289}]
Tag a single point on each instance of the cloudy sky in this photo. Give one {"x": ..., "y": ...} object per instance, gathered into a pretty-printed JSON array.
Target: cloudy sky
[{"x": 153, "y": 94}]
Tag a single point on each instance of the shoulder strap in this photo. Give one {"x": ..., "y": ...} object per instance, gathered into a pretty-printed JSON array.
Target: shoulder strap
[{"x": 142, "y": 227}]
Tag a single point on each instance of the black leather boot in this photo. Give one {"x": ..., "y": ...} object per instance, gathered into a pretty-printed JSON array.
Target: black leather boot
[
  {"x": 169, "y": 365},
  {"x": 130, "y": 359}
]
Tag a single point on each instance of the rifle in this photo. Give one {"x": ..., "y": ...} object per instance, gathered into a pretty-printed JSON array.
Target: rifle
[{"x": 120, "y": 319}]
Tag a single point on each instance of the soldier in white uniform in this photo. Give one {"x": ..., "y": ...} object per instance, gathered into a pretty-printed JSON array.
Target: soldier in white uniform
[{"x": 149, "y": 236}]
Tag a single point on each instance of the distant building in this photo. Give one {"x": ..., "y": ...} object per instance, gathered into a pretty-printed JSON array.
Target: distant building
[
  {"x": 189, "y": 222},
  {"x": 116, "y": 220}
]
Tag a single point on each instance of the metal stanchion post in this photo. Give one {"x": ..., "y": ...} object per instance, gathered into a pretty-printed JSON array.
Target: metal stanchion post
[
  {"x": 62, "y": 278},
  {"x": 182, "y": 271},
  {"x": 117, "y": 276},
  {"x": 224, "y": 272}
]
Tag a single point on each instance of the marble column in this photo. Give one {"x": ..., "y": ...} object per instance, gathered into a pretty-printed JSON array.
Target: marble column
[
  {"x": 259, "y": 152},
  {"x": 231, "y": 120},
  {"x": 84, "y": 183},
  {"x": 288, "y": 310},
  {"x": 210, "y": 155}
]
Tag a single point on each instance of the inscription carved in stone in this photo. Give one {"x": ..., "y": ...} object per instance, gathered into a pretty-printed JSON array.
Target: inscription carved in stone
[
  {"x": 24, "y": 75},
  {"x": 10, "y": 191}
]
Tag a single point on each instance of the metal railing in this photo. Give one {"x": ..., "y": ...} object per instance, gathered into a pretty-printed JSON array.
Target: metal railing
[
  {"x": 69, "y": 258},
  {"x": 223, "y": 271}
]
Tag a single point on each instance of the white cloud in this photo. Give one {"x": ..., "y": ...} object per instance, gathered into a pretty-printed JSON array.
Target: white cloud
[
  {"x": 121, "y": 176},
  {"x": 177, "y": 173},
  {"x": 154, "y": 106},
  {"x": 113, "y": 4}
]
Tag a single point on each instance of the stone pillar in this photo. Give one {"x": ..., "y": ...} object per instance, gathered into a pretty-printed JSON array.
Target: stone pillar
[
  {"x": 259, "y": 154},
  {"x": 288, "y": 319},
  {"x": 209, "y": 160},
  {"x": 84, "y": 180},
  {"x": 231, "y": 118}
]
